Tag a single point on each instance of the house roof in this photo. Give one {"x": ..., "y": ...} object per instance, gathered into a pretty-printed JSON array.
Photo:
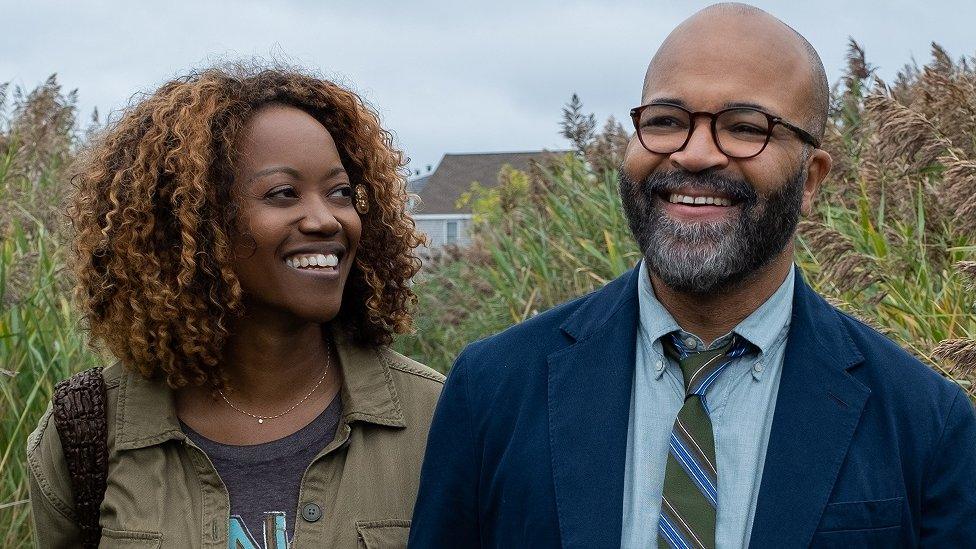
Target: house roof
[
  {"x": 417, "y": 184},
  {"x": 456, "y": 172}
]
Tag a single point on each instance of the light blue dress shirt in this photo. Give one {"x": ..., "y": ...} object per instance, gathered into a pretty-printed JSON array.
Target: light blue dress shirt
[{"x": 742, "y": 401}]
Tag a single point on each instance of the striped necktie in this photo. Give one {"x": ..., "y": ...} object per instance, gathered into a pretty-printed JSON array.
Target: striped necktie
[{"x": 688, "y": 507}]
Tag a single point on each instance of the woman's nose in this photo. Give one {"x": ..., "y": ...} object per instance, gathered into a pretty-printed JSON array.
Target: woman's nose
[{"x": 318, "y": 218}]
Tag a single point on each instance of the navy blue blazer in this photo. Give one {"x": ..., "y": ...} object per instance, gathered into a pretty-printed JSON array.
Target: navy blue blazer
[{"x": 868, "y": 446}]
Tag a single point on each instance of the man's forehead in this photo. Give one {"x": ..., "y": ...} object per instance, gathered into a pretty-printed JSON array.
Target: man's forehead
[{"x": 730, "y": 59}]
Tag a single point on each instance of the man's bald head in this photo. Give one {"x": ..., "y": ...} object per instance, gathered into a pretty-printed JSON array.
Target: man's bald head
[{"x": 764, "y": 40}]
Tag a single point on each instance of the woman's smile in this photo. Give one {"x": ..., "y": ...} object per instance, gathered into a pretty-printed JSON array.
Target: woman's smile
[{"x": 317, "y": 265}]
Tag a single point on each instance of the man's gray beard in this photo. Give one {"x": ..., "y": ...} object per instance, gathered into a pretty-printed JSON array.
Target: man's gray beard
[{"x": 707, "y": 258}]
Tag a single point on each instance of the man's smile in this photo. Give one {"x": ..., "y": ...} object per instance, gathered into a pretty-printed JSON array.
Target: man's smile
[
  {"x": 692, "y": 200},
  {"x": 696, "y": 206}
]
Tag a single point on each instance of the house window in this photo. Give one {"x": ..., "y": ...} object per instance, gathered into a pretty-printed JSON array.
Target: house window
[{"x": 452, "y": 232}]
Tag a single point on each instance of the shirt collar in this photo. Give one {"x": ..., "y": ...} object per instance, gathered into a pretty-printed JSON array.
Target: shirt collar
[
  {"x": 654, "y": 320},
  {"x": 764, "y": 327},
  {"x": 771, "y": 321},
  {"x": 146, "y": 412}
]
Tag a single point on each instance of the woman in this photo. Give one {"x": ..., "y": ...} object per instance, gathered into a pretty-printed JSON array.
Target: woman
[{"x": 243, "y": 250}]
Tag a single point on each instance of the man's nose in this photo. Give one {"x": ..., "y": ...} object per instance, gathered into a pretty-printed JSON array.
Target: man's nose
[
  {"x": 701, "y": 152},
  {"x": 318, "y": 218}
]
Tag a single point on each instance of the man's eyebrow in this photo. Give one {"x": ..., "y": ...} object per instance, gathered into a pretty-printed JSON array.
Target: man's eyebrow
[
  {"x": 749, "y": 105},
  {"x": 669, "y": 100},
  {"x": 727, "y": 105}
]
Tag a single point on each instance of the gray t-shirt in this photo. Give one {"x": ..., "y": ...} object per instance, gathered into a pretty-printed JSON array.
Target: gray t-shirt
[{"x": 263, "y": 480}]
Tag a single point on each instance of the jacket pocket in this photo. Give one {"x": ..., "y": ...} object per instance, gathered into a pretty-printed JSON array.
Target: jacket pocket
[
  {"x": 861, "y": 515},
  {"x": 383, "y": 534},
  {"x": 846, "y": 524},
  {"x": 125, "y": 539}
]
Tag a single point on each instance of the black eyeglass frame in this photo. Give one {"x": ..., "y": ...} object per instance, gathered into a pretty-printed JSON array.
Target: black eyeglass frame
[{"x": 772, "y": 121}]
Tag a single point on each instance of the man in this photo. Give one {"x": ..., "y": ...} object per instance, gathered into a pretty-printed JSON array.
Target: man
[{"x": 708, "y": 397}]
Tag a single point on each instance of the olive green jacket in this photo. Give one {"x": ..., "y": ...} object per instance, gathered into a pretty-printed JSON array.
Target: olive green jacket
[{"x": 163, "y": 491}]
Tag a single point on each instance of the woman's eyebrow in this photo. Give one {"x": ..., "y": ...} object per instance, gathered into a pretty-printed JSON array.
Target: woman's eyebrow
[
  {"x": 334, "y": 172},
  {"x": 274, "y": 169}
]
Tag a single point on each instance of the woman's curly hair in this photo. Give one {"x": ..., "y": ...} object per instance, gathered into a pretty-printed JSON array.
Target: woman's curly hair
[{"x": 154, "y": 209}]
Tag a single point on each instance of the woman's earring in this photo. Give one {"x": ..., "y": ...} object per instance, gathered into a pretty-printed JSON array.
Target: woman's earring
[{"x": 361, "y": 199}]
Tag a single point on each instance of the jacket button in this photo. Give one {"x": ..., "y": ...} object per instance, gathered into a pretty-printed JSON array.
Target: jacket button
[{"x": 311, "y": 512}]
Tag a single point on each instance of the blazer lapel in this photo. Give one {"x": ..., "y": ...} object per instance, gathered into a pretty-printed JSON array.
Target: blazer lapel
[
  {"x": 817, "y": 409},
  {"x": 589, "y": 405}
]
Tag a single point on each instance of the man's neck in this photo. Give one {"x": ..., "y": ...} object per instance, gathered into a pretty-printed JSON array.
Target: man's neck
[{"x": 712, "y": 316}]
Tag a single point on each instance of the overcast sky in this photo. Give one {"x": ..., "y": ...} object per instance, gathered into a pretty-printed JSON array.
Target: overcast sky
[{"x": 445, "y": 76}]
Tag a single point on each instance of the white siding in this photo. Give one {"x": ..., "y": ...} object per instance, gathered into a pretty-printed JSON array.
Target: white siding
[{"x": 437, "y": 229}]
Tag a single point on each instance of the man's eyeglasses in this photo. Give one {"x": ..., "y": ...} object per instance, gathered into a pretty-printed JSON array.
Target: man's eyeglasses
[{"x": 739, "y": 132}]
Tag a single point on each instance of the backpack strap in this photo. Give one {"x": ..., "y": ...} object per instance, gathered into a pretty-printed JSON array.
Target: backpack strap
[{"x": 80, "y": 418}]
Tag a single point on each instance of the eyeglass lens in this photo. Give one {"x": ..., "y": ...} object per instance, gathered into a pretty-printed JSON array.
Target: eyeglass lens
[{"x": 738, "y": 132}]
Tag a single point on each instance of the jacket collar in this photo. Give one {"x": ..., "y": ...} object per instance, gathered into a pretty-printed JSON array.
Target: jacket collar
[
  {"x": 818, "y": 407},
  {"x": 146, "y": 412},
  {"x": 601, "y": 306},
  {"x": 589, "y": 388}
]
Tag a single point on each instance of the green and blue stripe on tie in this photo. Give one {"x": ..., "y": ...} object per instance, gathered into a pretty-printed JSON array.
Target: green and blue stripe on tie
[{"x": 688, "y": 508}]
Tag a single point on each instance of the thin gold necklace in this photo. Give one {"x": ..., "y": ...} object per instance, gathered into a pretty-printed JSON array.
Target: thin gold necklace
[{"x": 296, "y": 405}]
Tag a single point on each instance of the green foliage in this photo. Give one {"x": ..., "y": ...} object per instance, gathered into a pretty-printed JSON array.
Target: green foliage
[
  {"x": 896, "y": 224},
  {"x": 40, "y": 339},
  {"x": 489, "y": 204},
  {"x": 538, "y": 242}
]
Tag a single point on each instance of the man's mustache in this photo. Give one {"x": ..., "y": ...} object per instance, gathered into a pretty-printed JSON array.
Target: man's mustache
[{"x": 737, "y": 190}]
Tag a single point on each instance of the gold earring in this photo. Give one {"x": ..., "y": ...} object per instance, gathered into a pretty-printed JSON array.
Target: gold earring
[{"x": 361, "y": 199}]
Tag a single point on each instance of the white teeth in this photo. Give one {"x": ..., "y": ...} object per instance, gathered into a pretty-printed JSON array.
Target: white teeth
[
  {"x": 675, "y": 198},
  {"x": 313, "y": 260}
]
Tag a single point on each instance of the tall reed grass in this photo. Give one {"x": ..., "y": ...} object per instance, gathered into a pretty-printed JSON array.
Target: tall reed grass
[{"x": 41, "y": 341}]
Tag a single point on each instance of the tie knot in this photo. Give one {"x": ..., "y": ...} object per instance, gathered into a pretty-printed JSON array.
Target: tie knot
[{"x": 701, "y": 369}]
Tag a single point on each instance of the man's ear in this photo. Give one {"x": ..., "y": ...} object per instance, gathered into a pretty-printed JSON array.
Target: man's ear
[{"x": 818, "y": 166}]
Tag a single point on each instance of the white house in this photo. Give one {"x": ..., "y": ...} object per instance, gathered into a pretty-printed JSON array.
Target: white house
[{"x": 437, "y": 213}]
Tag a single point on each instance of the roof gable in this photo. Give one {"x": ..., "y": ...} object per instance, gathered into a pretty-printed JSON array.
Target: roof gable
[{"x": 456, "y": 172}]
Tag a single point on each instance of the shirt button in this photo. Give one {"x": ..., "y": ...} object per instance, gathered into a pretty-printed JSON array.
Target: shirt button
[
  {"x": 758, "y": 367},
  {"x": 658, "y": 366},
  {"x": 311, "y": 512},
  {"x": 691, "y": 343}
]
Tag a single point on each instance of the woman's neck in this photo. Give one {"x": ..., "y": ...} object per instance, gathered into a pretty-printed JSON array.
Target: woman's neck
[{"x": 271, "y": 358}]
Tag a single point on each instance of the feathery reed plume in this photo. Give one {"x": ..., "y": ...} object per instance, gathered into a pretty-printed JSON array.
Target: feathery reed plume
[
  {"x": 847, "y": 269},
  {"x": 967, "y": 268},
  {"x": 903, "y": 133},
  {"x": 961, "y": 353},
  {"x": 959, "y": 190}
]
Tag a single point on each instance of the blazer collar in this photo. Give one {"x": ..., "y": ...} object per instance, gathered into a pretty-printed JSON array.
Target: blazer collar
[
  {"x": 146, "y": 413},
  {"x": 589, "y": 389},
  {"x": 600, "y": 307},
  {"x": 817, "y": 410}
]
